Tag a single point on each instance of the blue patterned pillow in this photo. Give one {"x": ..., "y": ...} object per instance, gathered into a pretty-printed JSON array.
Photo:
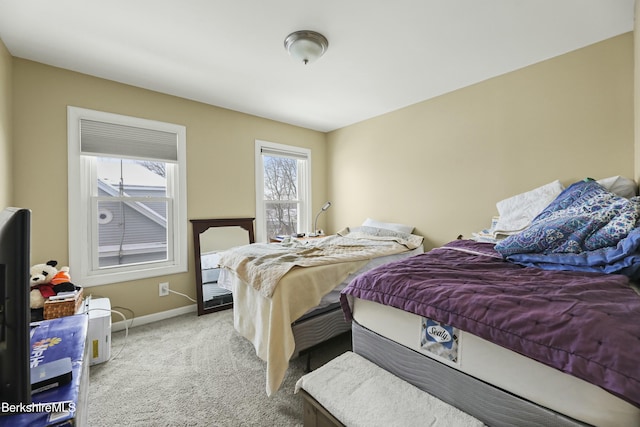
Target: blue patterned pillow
[{"x": 584, "y": 217}]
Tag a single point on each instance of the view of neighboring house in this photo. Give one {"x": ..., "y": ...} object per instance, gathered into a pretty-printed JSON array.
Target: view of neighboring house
[{"x": 132, "y": 213}]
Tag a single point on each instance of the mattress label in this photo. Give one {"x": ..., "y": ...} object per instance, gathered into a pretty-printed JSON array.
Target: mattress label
[{"x": 439, "y": 339}]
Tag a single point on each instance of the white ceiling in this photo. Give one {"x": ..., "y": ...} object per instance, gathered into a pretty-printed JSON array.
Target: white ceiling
[{"x": 383, "y": 54}]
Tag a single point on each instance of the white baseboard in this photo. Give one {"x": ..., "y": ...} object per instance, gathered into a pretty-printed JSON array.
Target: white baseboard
[{"x": 150, "y": 318}]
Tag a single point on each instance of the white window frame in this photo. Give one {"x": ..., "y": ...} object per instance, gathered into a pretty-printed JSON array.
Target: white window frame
[
  {"x": 304, "y": 186},
  {"x": 83, "y": 218}
]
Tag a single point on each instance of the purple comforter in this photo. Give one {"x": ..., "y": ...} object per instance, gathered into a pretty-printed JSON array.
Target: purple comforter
[{"x": 584, "y": 324}]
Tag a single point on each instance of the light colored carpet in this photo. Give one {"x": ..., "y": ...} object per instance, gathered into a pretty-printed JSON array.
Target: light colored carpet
[{"x": 194, "y": 371}]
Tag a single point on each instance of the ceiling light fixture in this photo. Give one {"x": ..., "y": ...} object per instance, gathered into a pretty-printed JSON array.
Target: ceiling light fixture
[{"x": 305, "y": 45}]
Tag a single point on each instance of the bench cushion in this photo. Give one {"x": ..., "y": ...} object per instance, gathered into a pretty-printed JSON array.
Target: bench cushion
[{"x": 359, "y": 393}]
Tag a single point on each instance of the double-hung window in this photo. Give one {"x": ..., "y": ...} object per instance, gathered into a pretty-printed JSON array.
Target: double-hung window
[
  {"x": 283, "y": 190},
  {"x": 127, "y": 197}
]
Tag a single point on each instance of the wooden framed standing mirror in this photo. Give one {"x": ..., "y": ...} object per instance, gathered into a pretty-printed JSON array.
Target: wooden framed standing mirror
[{"x": 211, "y": 236}]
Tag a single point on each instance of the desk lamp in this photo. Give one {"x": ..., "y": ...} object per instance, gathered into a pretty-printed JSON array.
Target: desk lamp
[{"x": 315, "y": 223}]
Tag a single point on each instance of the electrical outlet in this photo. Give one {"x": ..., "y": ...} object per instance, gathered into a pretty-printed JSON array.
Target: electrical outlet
[{"x": 163, "y": 289}]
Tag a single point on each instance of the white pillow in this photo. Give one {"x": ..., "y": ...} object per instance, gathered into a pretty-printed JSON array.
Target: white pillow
[
  {"x": 402, "y": 228},
  {"x": 623, "y": 187},
  {"x": 517, "y": 212}
]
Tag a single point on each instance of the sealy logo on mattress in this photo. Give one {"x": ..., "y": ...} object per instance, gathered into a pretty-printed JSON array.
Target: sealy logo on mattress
[
  {"x": 439, "y": 339},
  {"x": 439, "y": 334}
]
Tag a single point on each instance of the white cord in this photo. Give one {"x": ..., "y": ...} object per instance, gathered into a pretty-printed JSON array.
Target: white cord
[
  {"x": 181, "y": 294},
  {"x": 126, "y": 328}
]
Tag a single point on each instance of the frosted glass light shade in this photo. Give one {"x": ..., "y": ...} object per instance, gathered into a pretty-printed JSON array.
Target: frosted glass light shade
[{"x": 306, "y": 46}]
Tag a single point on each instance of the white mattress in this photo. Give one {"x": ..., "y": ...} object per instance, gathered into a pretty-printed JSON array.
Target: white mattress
[{"x": 506, "y": 369}]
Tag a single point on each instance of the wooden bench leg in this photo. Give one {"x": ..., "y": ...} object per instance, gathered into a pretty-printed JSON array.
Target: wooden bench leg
[{"x": 315, "y": 415}]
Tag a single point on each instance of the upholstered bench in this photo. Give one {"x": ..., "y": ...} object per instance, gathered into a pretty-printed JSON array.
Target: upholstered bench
[{"x": 350, "y": 390}]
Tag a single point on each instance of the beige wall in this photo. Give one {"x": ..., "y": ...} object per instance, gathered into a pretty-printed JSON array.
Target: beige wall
[
  {"x": 442, "y": 164},
  {"x": 220, "y": 163},
  {"x": 6, "y": 179}
]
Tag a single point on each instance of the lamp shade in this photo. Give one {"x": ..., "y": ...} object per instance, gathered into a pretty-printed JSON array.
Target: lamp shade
[{"x": 306, "y": 46}]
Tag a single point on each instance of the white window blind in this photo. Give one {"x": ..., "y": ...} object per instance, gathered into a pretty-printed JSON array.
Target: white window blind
[
  {"x": 281, "y": 152},
  {"x": 112, "y": 139}
]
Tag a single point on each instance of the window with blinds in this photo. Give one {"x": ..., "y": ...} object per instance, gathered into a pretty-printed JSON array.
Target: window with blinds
[
  {"x": 127, "y": 185},
  {"x": 282, "y": 190}
]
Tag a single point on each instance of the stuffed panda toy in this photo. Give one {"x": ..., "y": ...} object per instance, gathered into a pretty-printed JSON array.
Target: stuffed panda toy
[{"x": 46, "y": 280}]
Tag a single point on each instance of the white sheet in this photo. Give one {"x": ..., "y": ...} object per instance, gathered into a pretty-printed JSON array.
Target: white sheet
[
  {"x": 209, "y": 260},
  {"x": 517, "y": 212}
]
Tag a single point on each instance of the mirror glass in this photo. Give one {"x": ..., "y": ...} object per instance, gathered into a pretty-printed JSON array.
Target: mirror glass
[{"x": 210, "y": 237}]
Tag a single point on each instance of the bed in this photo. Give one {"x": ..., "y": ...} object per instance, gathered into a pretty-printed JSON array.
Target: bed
[
  {"x": 522, "y": 332},
  {"x": 213, "y": 295},
  {"x": 286, "y": 295}
]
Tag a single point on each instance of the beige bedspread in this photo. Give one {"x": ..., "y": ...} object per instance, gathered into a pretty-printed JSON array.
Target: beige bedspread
[
  {"x": 263, "y": 265},
  {"x": 271, "y": 289},
  {"x": 266, "y": 322}
]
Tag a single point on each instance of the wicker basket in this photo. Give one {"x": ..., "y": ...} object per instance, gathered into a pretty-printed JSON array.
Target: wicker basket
[{"x": 61, "y": 308}]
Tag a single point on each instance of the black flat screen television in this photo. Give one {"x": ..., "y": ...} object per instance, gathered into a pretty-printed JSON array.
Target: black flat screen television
[{"x": 15, "y": 313}]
